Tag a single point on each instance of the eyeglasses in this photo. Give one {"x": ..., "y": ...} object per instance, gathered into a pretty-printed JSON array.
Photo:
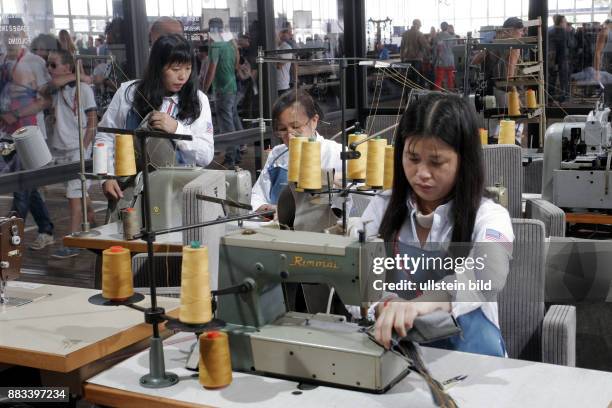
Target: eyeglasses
[{"x": 291, "y": 129}]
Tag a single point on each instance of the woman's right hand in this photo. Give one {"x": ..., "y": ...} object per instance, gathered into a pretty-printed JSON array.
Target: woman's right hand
[
  {"x": 111, "y": 190},
  {"x": 267, "y": 207}
]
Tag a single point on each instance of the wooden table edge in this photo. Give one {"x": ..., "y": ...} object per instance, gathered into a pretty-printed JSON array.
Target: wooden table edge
[
  {"x": 134, "y": 246},
  {"x": 113, "y": 397},
  {"x": 79, "y": 358}
]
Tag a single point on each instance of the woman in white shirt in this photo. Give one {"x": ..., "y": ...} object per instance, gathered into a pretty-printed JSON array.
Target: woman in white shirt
[
  {"x": 293, "y": 114},
  {"x": 437, "y": 202},
  {"x": 168, "y": 92}
]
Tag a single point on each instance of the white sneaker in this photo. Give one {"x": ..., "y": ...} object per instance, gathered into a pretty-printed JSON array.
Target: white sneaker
[{"x": 42, "y": 241}]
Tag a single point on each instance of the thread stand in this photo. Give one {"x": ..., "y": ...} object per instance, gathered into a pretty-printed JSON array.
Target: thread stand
[
  {"x": 102, "y": 301},
  {"x": 154, "y": 315}
]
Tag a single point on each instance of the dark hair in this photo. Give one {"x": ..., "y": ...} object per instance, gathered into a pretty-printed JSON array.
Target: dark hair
[
  {"x": 292, "y": 97},
  {"x": 558, "y": 19},
  {"x": 444, "y": 26},
  {"x": 452, "y": 120},
  {"x": 168, "y": 49},
  {"x": 66, "y": 57}
]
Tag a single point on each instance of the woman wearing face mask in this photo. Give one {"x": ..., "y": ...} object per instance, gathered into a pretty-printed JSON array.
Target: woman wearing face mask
[
  {"x": 293, "y": 114},
  {"x": 168, "y": 92},
  {"x": 437, "y": 200}
]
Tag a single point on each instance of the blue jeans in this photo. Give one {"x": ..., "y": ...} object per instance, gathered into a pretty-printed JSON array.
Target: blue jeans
[
  {"x": 30, "y": 200},
  {"x": 228, "y": 120},
  {"x": 478, "y": 336}
]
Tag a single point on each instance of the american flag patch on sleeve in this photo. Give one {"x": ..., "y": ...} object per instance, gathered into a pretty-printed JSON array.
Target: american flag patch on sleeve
[
  {"x": 496, "y": 236},
  {"x": 209, "y": 127}
]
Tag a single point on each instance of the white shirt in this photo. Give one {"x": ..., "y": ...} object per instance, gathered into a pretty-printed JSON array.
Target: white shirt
[
  {"x": 279, "y": 157},
  {"x": 201, "y": 129},
  {"x": 65, "y": 136},
  {"x": 283, "y": 74},
  {"x": 490, "y": 217}
]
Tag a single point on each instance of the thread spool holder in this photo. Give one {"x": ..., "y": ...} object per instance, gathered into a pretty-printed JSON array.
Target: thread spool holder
[{"x": 154, "y": 315}]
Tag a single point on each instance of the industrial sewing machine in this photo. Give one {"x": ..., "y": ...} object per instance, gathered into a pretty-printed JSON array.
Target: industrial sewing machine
[
  {"x": 266, "y": 338},
  {"x": 577, "y": 159}
]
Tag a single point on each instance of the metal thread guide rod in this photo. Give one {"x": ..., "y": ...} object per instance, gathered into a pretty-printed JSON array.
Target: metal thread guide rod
[{"x": 85, "y": 227}]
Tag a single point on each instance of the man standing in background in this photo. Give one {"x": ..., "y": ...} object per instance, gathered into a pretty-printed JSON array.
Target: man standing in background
[{"x": 414, "y": 48}]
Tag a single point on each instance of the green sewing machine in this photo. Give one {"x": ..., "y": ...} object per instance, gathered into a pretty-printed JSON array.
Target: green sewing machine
[{"x": 265, "y": 338}]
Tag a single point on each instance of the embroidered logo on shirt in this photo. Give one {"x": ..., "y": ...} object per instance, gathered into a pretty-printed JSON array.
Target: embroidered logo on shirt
[
  {"x": 494, "y": 235},
  {"x": 209, "y": 127}
]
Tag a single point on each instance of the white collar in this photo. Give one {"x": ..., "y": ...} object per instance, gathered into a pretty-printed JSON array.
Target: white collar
[{"x": 441, "y": 211}]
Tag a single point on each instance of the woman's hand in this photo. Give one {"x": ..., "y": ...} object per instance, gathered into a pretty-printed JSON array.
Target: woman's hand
[
  {"x": 111, "y": 190},
  {"x": 267, "y": 207},
  {"x": 162, "y": 121},
  {"x": 399, "y": 315}
]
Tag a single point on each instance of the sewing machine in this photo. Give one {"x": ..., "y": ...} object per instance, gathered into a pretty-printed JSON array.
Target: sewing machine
[
  {"x": 266, "y": 338},
  {"x": 11, "y": 253},
  {"x": 577, "y": 159}
]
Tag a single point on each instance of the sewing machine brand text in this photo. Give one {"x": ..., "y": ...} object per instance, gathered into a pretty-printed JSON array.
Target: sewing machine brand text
[{"x": 301, "y": 262}]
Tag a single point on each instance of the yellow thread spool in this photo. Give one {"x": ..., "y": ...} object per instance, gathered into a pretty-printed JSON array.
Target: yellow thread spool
[
  {"x": 532, "y": 103},
  {"x": 310, "y": 166},
  {"x": 215, "y": 362},
  {"x": 125, "y": 157},
  {"x": 117, "y": 279},
  {"x": 506, "y": 132},
  {"x": 295, "y": 154},
  {"x": 375, "y": 170},
  {"x": 196, "y": 307},
  {"x": 356, "y": 168},
  {"x": 388, "y": 174},
  {"x": 514, "y": 104},
  {"x": 484, "y": 136}
]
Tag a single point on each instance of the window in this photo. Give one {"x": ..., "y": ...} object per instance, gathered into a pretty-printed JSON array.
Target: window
[{"x": 82, "y": 16}]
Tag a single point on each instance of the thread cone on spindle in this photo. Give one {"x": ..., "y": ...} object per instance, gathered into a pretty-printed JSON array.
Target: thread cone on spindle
[
  {"x": 375, "y": 170},
  {"x": 484, "y": 136},
  {"x": 506, "y": 132},
  {"x": 310, "y": 166},
  {"x": 196, "y": 306},
  {"x": 125, "y": 157},
  {"x": 356, "y": 168},
  {"x": 295, "y": 155},
  {"x": 514, "y": 104},
  {"x": 215, "y": 366},
  {"x": 117, "y": 279},
  {"x": 532, "y": 102},
  {"x": 389, "y": 161}
]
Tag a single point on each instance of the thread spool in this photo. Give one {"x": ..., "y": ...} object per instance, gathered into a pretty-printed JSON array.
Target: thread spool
[
  {"x": 295, "y": 154},
  {"x": 117, "y": 279},
  {"x": 100, "y": 159},
  {"x": 215, "y": 366},
  {"x": 31, "y": 147},
  {"x": 310, "y": 166},
  {"x": 506, "y": 132},
  {"x": 484, "y": 136},
  {"x": 389, "y": 161},
  {"x": 125, "y": 157},
  {"x": 375, "y": 170},
  {"x": 514, "y": 104},
  {"x": 131, "y": 223},
  {"x": 196, "y": 306},
  {"x": 356, "y": 168},
  {"x": 532, "y": 102}
]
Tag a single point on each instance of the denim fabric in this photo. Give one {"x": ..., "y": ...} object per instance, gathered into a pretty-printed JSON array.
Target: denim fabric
[
  {"x": 31, "y": 201},
  {"x": 228, "y": 121}
]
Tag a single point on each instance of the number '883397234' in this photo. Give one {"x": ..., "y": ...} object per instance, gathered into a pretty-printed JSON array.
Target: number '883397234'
[{"x": 35, "y": 394}]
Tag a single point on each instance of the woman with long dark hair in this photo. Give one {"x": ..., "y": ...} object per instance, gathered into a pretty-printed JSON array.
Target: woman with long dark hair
[
  {"x": 166, "y": 99},
  {"x": 437, "y": 202}
]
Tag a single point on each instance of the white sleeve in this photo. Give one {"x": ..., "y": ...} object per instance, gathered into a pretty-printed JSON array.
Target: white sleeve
[
  {"x": 260, "y": 194},
  {"x": 331, "y": 155},
  {"x": 493, "y": 239},
  {"x": 89, "y": 101},
  {"x": 114, "y": 117},
  {"x": 202, "y": 131}
]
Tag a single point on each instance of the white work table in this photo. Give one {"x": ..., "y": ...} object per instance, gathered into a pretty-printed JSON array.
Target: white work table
[
  {"x": 60, "y": 331},
  {"x": 491, "y": 382}
]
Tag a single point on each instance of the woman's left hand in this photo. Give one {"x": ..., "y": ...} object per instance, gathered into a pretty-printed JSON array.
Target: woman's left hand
[{"x": 163, "y": 121}]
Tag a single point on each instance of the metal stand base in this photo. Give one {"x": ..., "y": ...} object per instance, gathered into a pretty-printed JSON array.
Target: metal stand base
[
  {"x": 157, "y": 377},
  {"x": 90, "y": 233}
]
